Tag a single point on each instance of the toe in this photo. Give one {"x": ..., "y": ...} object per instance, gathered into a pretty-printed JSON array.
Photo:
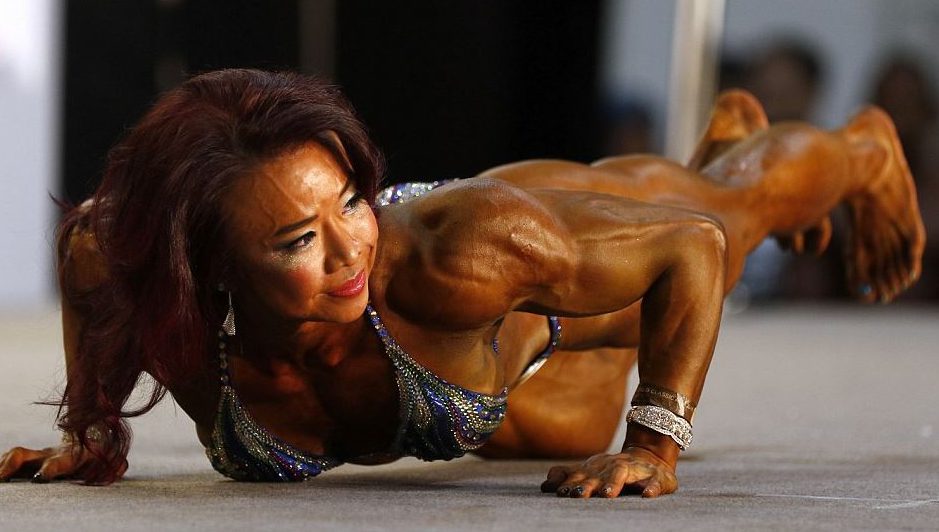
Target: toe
[
  {"x": 798, "y": 243},
  {"x": 819, "y": 237}
]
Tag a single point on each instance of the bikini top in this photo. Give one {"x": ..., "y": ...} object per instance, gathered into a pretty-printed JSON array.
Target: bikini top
[{"x": 438, "y": 420}]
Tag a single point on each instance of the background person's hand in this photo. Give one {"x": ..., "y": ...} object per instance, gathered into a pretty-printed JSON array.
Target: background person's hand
[{"x": 634, "y": 470}]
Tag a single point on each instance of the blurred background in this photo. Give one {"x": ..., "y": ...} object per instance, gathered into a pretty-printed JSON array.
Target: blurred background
[{"x": 451, "y": 88}]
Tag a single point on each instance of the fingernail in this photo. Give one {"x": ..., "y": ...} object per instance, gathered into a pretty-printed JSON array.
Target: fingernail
[
  {"x": 39, "y": 479},
  {"x": 564, "y": 491},
  {"x": 865, "y": 289},
  {"x": 578, "y": 491},
  {"x": 607, "y": 490}
]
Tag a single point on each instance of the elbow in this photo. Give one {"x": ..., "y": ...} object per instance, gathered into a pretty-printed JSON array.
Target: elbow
[
  {"x": 702, "y": 254},
  {"x": 710, "y": 239}
]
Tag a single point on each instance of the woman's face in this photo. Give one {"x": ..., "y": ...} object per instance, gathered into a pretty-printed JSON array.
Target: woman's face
[{"x": 303, "y": 239}]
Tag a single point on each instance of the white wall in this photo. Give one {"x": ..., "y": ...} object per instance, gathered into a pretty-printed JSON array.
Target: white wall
[
  {"x": 636, "y": 54},
  {"x": 29, "y": 129}
]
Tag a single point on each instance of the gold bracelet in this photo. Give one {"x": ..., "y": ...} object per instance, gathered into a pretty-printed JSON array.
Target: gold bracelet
[{"x": 674, "y": 402}]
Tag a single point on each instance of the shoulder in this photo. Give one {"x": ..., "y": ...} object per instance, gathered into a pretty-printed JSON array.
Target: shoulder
[
  {"x": 470, "y": 252},
  {"x": 81, "y": 262}
]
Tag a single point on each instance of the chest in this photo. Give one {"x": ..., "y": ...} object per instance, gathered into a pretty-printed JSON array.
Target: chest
[{"x": 360, "y": 406}]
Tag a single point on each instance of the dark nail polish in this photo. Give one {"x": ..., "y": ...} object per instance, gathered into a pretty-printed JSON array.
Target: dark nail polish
[
  {"x": 607, "y": 490},
  {"x": 564, "y": 491},
  {"x": 39, "y": 479},
  {"x": 578, "y": 491}
]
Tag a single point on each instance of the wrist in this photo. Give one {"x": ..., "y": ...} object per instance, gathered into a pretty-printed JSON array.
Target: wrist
[{"x": 661, "y": 445}]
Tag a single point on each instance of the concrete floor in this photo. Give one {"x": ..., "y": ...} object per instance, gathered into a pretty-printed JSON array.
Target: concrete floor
[{"x": 821, "y": 418}]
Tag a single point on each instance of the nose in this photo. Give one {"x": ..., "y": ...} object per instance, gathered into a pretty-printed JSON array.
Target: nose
[{"x": 342, "y": 247}]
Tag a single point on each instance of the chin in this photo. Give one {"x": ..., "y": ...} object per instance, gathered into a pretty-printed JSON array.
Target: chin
[{"x": 349, "y": 309}]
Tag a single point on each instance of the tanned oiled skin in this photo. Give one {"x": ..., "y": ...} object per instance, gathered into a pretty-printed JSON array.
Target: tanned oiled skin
[
  {"x": 758, "y": 181},
  {"x": 488, "y": 257}
]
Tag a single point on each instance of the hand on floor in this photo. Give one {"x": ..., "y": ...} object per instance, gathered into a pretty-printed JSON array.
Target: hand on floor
[{"x": 635, "y": 470}]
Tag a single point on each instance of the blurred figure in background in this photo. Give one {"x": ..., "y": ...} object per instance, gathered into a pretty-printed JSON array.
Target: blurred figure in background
[
  {"x": 903, "y": 89},
  {"x": 786, "y": 78}
]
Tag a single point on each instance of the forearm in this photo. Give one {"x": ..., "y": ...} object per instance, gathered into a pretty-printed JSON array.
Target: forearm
[{"x": 679, "y": 324}]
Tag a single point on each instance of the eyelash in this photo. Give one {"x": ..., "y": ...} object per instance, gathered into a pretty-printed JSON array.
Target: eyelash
[
  {"x": 301, "y": 242},
  {"x": 351, "y": 206},
  {"x": 353, "y": 202}
]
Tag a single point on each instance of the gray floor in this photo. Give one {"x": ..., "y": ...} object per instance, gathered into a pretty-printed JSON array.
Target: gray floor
[{"x": 813, "y": 418}]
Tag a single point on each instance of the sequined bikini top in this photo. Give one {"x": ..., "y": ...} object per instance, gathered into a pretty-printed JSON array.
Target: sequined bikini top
[{"x": 438, "y": 421}]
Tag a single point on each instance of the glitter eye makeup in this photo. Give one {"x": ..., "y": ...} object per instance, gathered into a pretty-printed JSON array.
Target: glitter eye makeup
[{"x": 301, "y": 242}]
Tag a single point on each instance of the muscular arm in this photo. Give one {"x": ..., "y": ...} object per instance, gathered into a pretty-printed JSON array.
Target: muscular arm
[
  {"x": 82, "y": 268},
  {"x": 488, "y": 248},
  {"x": 623, "y": 251}
]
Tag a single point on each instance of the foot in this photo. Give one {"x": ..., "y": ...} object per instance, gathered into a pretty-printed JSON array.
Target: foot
[
  {"x": 737, "y": 114},
  {"x": 813, "y": 240},
  {"x": 885, "y": 250}
]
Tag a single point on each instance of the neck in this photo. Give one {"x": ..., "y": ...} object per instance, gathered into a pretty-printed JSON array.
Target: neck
[{"x": 303, "y": 344}]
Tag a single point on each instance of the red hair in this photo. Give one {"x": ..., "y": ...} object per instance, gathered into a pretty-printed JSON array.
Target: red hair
[{"x": 156, "y": 219}]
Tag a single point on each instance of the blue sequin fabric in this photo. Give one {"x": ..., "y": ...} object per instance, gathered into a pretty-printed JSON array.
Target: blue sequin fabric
[
  {"x": 439, "y": 420},
  {"x": 244, "y": 450}
]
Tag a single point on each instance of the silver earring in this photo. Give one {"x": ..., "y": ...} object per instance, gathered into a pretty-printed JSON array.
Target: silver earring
[{"x": 228, "y": 326}]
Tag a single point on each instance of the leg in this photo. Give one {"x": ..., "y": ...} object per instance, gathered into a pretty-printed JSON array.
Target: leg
[
  {"x": 551, "y": 416},
  {"x": 861, "y": 165},
  {"x": 736, "y": 115},
  {"x": 776, "y": 182},
  {"x": 580, "y": 391}
]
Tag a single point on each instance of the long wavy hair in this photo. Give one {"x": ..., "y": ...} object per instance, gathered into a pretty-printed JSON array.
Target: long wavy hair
[{"x": 157, "y": 223}]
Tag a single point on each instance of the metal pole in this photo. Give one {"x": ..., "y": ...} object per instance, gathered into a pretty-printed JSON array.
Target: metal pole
[{"x": 696, "y": 40}]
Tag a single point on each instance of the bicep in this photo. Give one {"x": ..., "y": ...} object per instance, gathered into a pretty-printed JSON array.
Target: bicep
[
  {"x": 617, "y": 248},
  {"x": 483, "y": 251}
]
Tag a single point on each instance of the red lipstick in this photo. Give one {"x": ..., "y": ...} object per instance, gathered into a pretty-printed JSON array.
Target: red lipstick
[{"x": 352, "y": 287}]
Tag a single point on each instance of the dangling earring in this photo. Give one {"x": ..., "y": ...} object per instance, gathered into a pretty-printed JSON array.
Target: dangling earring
[
  {"x": 228, "y": 326},
  {"x": 227, "y": 330}
]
